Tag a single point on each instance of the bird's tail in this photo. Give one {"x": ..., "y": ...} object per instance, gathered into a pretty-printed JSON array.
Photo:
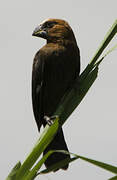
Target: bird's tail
[{"x": 58, "y": 143}]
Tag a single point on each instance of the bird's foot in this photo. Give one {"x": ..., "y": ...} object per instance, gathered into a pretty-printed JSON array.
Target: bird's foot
[{"x": 50, "y": 120}]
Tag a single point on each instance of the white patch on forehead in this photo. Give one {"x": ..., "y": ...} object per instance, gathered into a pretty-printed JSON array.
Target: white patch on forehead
[{"x": 45, "y": 21}]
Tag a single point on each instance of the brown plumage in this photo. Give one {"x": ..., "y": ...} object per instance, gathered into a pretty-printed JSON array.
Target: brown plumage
[{"x": 56, "y": 65}]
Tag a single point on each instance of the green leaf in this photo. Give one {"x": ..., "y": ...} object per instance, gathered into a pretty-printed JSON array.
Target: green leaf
[
  {"x": 109, "y": 36},
  {"x": 113, "y": 178},
  {"x": 60, "y": 164},
  {"x": 36, "y": 168},
  {"x": 100, "y": 164},
  {"x": 14, "y": 171},
  {"x": 33, "y": 172},
  {"x": 108, "y": 52},
  {"x": 57, "y": 165},
  {"x": 44, "y": 140}
]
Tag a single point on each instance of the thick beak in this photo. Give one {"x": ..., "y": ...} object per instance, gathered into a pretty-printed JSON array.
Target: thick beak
[{"x": 40, "y": 32}]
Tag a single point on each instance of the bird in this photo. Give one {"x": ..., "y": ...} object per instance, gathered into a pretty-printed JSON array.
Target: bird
[{"x": 55, "y": 67}]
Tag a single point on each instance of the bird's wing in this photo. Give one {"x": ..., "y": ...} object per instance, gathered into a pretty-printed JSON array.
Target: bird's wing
[{"x": 37, "y": 86}]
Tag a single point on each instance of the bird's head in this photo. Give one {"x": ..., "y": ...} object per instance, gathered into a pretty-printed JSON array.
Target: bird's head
[{"x": 54, "y": 30}]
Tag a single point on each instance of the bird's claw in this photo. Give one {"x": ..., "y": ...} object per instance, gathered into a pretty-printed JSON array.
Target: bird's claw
[{"x": 50, "y": 120}]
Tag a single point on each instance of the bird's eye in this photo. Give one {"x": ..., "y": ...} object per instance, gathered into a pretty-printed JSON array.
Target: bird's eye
[{"x": 49, "y": 24}]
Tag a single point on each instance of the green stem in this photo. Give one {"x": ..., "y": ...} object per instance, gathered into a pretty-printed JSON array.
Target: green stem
[
  {"x": 110, "y": 34},
  {"x": 41, "y": 144},
  {"x": 34, "y": 171}
]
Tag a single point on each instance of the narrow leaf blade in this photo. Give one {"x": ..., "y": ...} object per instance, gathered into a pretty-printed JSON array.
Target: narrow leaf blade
[{"x": 14, "y": 171}]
